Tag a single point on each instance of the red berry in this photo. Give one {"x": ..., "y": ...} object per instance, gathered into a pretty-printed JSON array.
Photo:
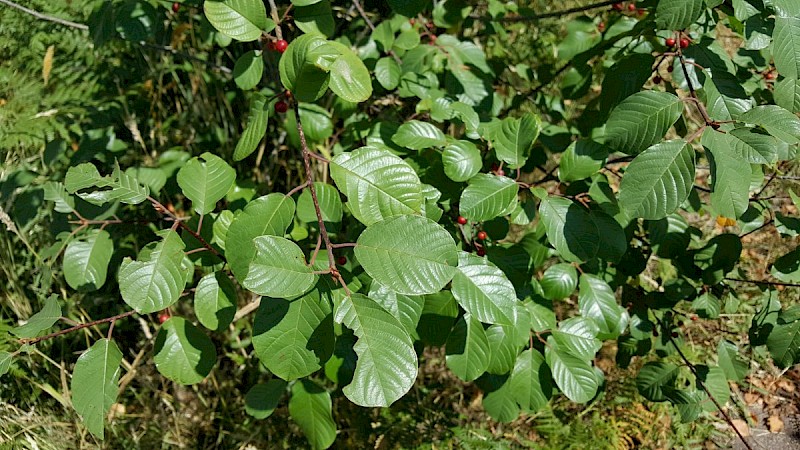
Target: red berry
[
  {"x": 412, "y": 21},
  {"x": 769, "y": 76},
  {"x": 481, "y": 252},
  {"x": 501, "y": 173},
  {"x": 176, "y": 7},
  {"x": 618, "y": 6},
  {"x": 631, "y": 6},
  {"x": 482, "y": 235},
  {"x": 642, "y": 11},
  {"x": 694, "y": 318},
  {"x": 601, "y": 26},
  {"x": 341, "y": 260},
  {"x": 670, "y": 42},
  {"x": 280, "y": 45},
  {"x": 163, "y": 317},
  {"x": 462, "y": 220},
  {"x": 684, "y": 42},
  {"x": 657, "y": 79},
  {"x": 281, "y": 107}
]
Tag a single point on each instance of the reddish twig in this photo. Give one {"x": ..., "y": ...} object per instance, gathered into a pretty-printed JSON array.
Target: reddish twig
[{"x": 77, "y": 327}]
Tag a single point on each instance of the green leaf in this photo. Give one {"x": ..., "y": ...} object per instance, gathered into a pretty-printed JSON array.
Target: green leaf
[
  {"x": 243, "y": 20},
  {"x": 315, "y": 18},
  {"x": 55, "y": 192},
  {"x": 707, "y": 305},
  {"x": 205, "y": 180},
  {"x": 658, "y": 180},
  {"x": 514, "y": 139},
  {"x": 531, "y": 381},
  {"x": 559, "y": 281},
  {"x": 467, "y": 349},
  {"x": 157, "y": 279},
  {"x": 124, "y": 187},
  {"x": 729, "y": 191},
  {"x": 654, "y": 377},
  {"x": 418, "y": 135},
  {"x": 488, "y": 196},
  {"x": 596, "y": 300},
  {"x": 787, "y": 267},
  {"x": 483, "y": 290},
  {"x": 298, "y": 71},
  {"x": 461, "y": 160},
  {"x": 575, "y": 377},
  {"x": 642, "y": 120},
  {"x": 349, "y": 77},
  {"x": 293, "y": 338},
  {"x": 82, "y": 176},
  {"x": 5, "y": 362},
  {"x": 786, "y": 46},
  {"x": 569, "y": 228},
  {"x": 262, "y": 399},
  {"x": 406, "y": 308},
  {"x": 499, "y": 399},
  {"x": 505, "y": 342},
  {"x": 215, "y": 301},
  {"x": 410, "y": 255},
  {"x": 94, "y": 384},
  {"x": 408, "y": 8},
  {"x": 613, "y": 241},
  {"x": 787, "y": 94},
  {"x": 778, "y": 122},
  {"x": 310, "y": 407},
  {"x": 582, "y": 159},
  {"x": 330, "y": 204},
  {"x": 687, "y": 402},
  {"x": 752, "y": 147},
  {"x": 576, "y": 336},
  {"x": 387, "y": 363},
  {"x": 387, "y": 72},
  {"x": 268, "y": 215},
  {"x": 248, "y": 70},
  {"x": 730, "y": 362},
  {"x": 377, "y": 184},
  {"x": 255, "y": 129},
  {"x": 279, "y": 269},
  {"x": 714, "y": 380},
  {"x": 678, "y": 14},
  {"x": 183, "y": 353},
  {"x": 86, "y": 260},
  {"x": 784, "y": 340},
  {"x": 42, "y": 320}
]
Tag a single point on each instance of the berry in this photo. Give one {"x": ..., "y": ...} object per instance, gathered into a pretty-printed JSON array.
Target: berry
[
  {"x": 163, "y": 317},
  {"x": 769, "y": 76},
  {"x": 631, "y": 6},
  {"x": 601, "y": 26},
  {"x": 176, "y": 7},
  {"x": 617, "y": 6},
  {"x": 281, "y": 107},
  {"x": 461, "y": 220},
  {"x": 694, "y": 318},
  {"x": 412, "y": 21},
  {"x": 501, "y": 173},
  {"x": 674, "y": 334},
  {"x": 657, "y": 79},
  {"x": 481, "y": 252},
  {"x": 670, "y": 42},
  {"x": 280, "y": 45},
  {"x": 341, "y": 260},
  {"x": 684, "y": 42},
  {"x": 670, "y": 69},
  {"x": 642, "y": 11},
  {"x": 680, "y": 323},
  {"x": 482, "y": 235}
]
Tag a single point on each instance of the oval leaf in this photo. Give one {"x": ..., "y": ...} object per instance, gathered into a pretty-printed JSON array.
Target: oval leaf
[
  {"x": 461, "y": 160},
  {"x": 215, "y": 301},
  {"x": 94, "y": 384},
  {"x": 641, "y": 120},
  {"x": 310, "y": 406},
  {"x": 483, "y": 290},
  {"x": 488, "y": 196},
  {"x": 243, "y": 20},
  {"x": 569, "y": 228},
  {"x": 183, "y": 353},
  {"x": 205, "y": 180},
  {"x": 157, "y": 279}
]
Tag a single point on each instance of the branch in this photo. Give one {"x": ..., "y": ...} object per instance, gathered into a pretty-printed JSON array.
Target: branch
[
  {"x": 371, "y": 26},
  {"x": 546, "y": 15},
  {"x": 41, "y": 16},
  {"x": 161, "y": 209},
  {"x": 765, "y": 283},
  {"x": 77, "y": 327}
]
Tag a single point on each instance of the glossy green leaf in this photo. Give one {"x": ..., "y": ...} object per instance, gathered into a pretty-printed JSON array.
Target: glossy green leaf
[
  {"x": 582, "y": 159},
  {"x": 688, "y": 402},
  {"x": 387, "y": 363},
  {"x": 248, "y": 70},
  {"x": 293, "y": 338},
  {"x": 315, "y": 18},
  {"x": 82, "y": 176},
  {"x": 461, "y": 160},
  {"x": 514, "y": 139},
  {"x": 215, "y": 301},
  {"x": 298, "y": 71},
  {"x": 559, "y": 281},
  {"x": 310, "y": 407},
  {"x": 349, "y": 77},
  {"x": 730, "y": 361},
  {"x": 613, "y": 240},
  {"x": 255, "y": 128},
  {"x": 243, "y": 20},
  {"x": 574, "y": 376},
  {"x": 156, "y": 280},
  {"x": 410, "y": 255},
  {"x": 678, "y": 14},
  {"x": 658, "y": 180},
  {"x": 94, "y": 384},
  {"x": 387, "y": 72},
  {"x": 729, "y": 191},
  {"x": 279, "y": 269},
  {"x": 596, "y": 300},
  {"x": 488, "y": 196},
  {"x": 42, "y": 320},
  {"x": 268, "y": 215},
  {"x": 205, "y": 180},
  {"x": 55, "y": 192},
  {"x": 483, "y": 290},
  {"x": 570, "y": 228},
  {"x": 642, "y": 120},
  {"x": 654, "y": 377},
  {"x": 124, "y": 187},
  {"x": 576, "y": 336},
  {"x": 183, "y": 353},
  {"x": 752, "y": 147},
  {"x": 467, "y": 349},
  {"x": 505, "y": 342},
  {"x": 786, "y": 46},
  {"x": 778, "y": 122},
  {"x": 262, "y": 399},
  {"x": 378, "y": 184},
  {"x": 531, "y": 381},
  {"x": 86, "y": 260},
  {"x": 406, "y": 308},
  {"x": 418, "y": 135},
  {"x": 330, "y": 204},
  {"x": 5, "y": 362},
  {"x": 784, "y": 340},
  {"x": 499, "y": 398},
  {"x": 714, "y": 380},
  {"x": 787, "y": 94}
]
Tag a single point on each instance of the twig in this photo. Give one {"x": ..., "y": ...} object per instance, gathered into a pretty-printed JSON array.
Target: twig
[
  {"x": 41, "y": 16},
  {"x": 371, "y": 26},
  {"x": 161, "y": 209},
  {"x": 273, "y": 10},
  {"x": 77, "y": 327},
  {"x": 546, "y": 15}
]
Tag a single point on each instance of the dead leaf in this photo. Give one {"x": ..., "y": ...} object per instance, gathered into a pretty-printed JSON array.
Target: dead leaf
[
  {"x": 775, "y": 424},
  {"x": 47, "y": 63},
  {"x": 742, "y": 426}
]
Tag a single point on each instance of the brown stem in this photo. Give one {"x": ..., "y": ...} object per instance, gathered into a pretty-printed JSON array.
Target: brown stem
[
  {"x": 161, "y": 209},
  {"x": 77, "y": 327},
  {"x": 700, "y": 106},
  {"x": 41, "y": 16},
  {"x": 547, "y": 15}
]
